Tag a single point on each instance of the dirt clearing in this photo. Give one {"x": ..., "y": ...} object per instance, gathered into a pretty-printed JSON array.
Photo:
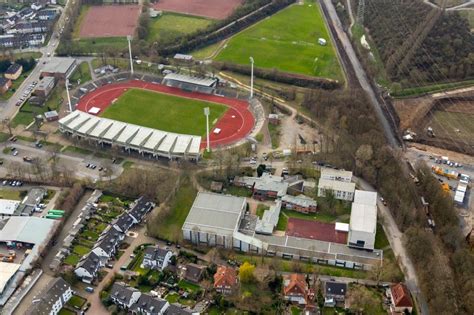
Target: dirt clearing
[{"x": 110, "y": 21}]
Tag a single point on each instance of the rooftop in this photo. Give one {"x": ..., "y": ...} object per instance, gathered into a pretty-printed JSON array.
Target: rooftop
[
  {"x": 14, "y": 67},
  {"x": 365, "y": 197},
  {"x": 8, "y": 207},
  {"x": 45, "y": 83},
  {"x": 363, "y": 218},
  {"x": 59, "y": 65},
  {"x": 336, "y": 185},
  {"x": 7, "y": 271},
  {"x": 330, "y": 173},
  {"x": 300, "y": 200},
  {"x": 269, "y": 220},
  {"x": 215, "y": 213},
  {"x": 51, "y": 295},
  {"x": 32, "y": 230}
]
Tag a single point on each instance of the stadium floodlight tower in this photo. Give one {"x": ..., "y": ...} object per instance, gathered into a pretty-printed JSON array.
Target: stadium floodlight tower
[
  {"x": 68, "y": 96},
  {"x": 129, "y": 38},
  {"x": 251, "y": 77},
  {"x": 207, "y": 111}
]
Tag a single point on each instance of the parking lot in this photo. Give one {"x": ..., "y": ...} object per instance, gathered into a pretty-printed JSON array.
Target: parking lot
[{"x": 11, "y": 255}]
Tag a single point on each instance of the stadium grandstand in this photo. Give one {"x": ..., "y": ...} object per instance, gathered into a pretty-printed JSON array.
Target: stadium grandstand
[
  {"x": 146, "y": 141},
  {"x": 190, "y": 83}
]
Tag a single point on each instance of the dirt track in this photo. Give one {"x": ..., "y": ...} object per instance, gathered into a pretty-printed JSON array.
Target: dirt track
[
  {"x": 214, "y": 9},
  {"x": 110, "y": 21}
]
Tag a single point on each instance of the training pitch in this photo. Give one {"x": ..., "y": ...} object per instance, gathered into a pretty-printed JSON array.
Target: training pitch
[
  {"x": 164, "y": 112},
  {"x": 109, "y": 21},
  {"x": 214, "y": 9},
  {"x": 287, "y": 41}
]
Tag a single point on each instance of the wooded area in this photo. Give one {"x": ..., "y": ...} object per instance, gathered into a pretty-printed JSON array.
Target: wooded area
[{"x": 420, "y": 44}]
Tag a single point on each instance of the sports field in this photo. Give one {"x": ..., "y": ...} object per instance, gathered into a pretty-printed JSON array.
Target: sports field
[
  {"x": 163, "y": 112},
  {"x": 287, "y": 41},
  {"x": 109, "y": 21},
  {"x": 172, "y": 25}
]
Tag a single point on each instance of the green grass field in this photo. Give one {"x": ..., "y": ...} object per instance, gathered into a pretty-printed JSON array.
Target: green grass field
[
  {"x": 459, "y": 126},
  {"x": 163, "y": 112},
  {"x": 287, "y": 41},
  {"x": 172, "y": 25}
]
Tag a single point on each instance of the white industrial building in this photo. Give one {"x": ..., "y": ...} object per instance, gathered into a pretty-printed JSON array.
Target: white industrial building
[
  {"x": 363, "y": 223},
  {"x": 143, "y": 140},
  {"x": 333, "y": 174},
  {"x": 8, "y": 207}
]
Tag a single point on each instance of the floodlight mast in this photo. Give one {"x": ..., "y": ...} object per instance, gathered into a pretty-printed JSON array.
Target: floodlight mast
[
  {"x": 251, "y": 77},
  {"x": 207, "y": 112},
  {"x": 129, "y": 38},
  {"x": 68, "y": 96}
]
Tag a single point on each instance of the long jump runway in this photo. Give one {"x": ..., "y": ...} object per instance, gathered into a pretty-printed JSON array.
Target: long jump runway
[{"x": 236, "y": 123}]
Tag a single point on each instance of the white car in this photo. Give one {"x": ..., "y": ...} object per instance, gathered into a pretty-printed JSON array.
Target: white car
[{"x": 15, "y": 153}]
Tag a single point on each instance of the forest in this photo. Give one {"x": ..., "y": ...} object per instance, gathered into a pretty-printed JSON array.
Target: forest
[{"x": 420, "y": 44}]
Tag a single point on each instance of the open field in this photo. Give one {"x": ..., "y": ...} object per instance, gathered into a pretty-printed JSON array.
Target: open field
[
  {"x": 172, "y": 25},
  {"x": 161, "y": 111},
  {"x": 109, "y": 21},
  {"x": 458, "y": 126},
  {"x": 215, "y": 9},
  {"x": 287, "y": 41}
]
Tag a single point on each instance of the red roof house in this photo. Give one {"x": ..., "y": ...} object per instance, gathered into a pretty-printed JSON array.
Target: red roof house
[
  {"x": 295, "y": 289},
  {"x": 225, "y": 280},
  {"x": 401, "y": 299}
]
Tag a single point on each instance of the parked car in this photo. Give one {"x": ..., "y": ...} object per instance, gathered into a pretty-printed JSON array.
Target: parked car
[{"x": 89, "y": 289}]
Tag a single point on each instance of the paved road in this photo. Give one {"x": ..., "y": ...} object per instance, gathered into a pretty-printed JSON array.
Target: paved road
[
  {"x": 75, "y": 164},
  {"x": 395, "y": 238},
  {"x": 361, "y": 76}
]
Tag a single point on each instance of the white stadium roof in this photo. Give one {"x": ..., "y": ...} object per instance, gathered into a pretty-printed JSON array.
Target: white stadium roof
[
  {"x": 190, "y": 79},
  {"x": 130, "y": 135}
]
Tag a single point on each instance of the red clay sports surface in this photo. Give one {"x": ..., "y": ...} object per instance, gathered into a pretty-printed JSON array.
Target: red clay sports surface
[
  {"x": 214, "y": 9},
  {"x": 110, "y": 21},
  {"x": 235, "y": 124},
  {"x": 315, "y": 230}
]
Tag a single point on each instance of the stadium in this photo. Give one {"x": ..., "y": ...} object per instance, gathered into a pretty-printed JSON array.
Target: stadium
[{"x": 157, "y": 119}]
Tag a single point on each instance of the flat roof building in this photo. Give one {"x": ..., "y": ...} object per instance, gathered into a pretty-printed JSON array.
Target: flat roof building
[
  {"x": 342, "y": 190},
  {"x": 60, "y": 68},
  {"x": 45, "y": 86},
  {"x": 363, "y": 223},
  {"x": 269, "y": 220},
  {"x": 8, "y": 207},
  {"x": 213, "y": 218},
  {"x": 333, "y": 174}
]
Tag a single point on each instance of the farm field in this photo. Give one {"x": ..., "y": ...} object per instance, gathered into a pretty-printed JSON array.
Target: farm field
[
  {"x": 163, "y": 112},
  {"x": 172, "y": 25},
  {"x": 289, "y": 47}
]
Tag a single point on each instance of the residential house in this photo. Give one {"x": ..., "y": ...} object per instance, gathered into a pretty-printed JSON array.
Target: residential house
[
  {"x": 194, "y": 272},
  {"x": 123, "y": 223},
  {"x": 225, "y": 280},
  {"x": 123, "y": 295},
  {"x": 5, "y": 84},
  {"x": 140, "y": 208},
  {"x": 149, "y": 305},
  {"x": 274, "y": 119},
  {"x": 47, "y": 14},
  {"x": 400, "y": 298},
  {"x": 334, "y": 293},
  {"x": 107, "y": 244},
  {"x": 300, "y": 203},
  {"x": 295, "y": 289},
  {"x": 156, "y": 258},
  {"x": 54, "y": 297},
  {"x": 14, "y": 71},
  {"x": 88, "y": 266}
]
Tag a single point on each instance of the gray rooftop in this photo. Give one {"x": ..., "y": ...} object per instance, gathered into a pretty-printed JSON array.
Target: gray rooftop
[
  {"x": 336, "y": 185},
  {"x": 300, "y": 200},
  {"x": 45, "y": 83},
  {"x": 30, "y": 230},
  {"x": 215, "y": 213},
  {"x": 190, "y": 79},
  {"x": 53, "y": 292},
  {"x": 269, "y": 220},
  {"x": 59, "y": 65}
]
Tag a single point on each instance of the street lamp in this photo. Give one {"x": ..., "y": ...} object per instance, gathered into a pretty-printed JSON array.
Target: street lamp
[
  {"x": 207, "y": 111},
  {"x": 251, "y": 77},
  {"x": 129, "y": 38}
]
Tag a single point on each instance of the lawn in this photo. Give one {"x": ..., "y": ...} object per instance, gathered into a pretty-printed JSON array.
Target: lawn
[
  {"x": 172, "y": 25},
  {"x": 188, "y": 286},
  {"x": 161, "y": 111},
  {"x": 72, "y": 260},
  {"x": 76, "y": 301},
  {"x": 99, "y": 45},
  {"x": 11, "y": 194},
  {"x": 289, "y": 47},
  {"x": 381, "y": 240},
  {"x": 81, "y": 250},
  {"x": 65, "y": 311},
  {"x": 81, "y": 74},
  {"x": 169, "y": 226},
  {"x": 4, "y": 136},
  {"x": 77, "y": 150}
]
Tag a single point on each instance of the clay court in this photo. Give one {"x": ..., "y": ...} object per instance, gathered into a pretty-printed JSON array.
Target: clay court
[
  {"x": 110, "y": 21},
  {"x": 214, "y": 9},
  {"x": 236, "y": 123},
  {"x": 315, "y": 230}
]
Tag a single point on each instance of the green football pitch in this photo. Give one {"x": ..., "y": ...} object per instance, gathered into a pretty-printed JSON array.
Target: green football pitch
[
  {"x": 287, "y": 41},
  {"x": 164, "y": 112}
]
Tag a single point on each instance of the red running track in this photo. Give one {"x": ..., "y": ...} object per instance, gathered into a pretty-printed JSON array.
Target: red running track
[{"x": 235, "y": 124}]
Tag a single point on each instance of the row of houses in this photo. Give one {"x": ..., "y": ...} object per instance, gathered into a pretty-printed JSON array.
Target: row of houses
[
  {"x": 52, "y": 299},
  {"x": 27, "y": 27},
  {"x": 108, "y": 242},
  {"x": 136, "y": 302}
]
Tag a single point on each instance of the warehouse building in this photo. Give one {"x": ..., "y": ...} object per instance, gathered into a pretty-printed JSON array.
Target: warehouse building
[
  {"x": 130, "y": 137},
  {"x": 363, "y": 223},
  {"x": 213, "y": 219}
]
